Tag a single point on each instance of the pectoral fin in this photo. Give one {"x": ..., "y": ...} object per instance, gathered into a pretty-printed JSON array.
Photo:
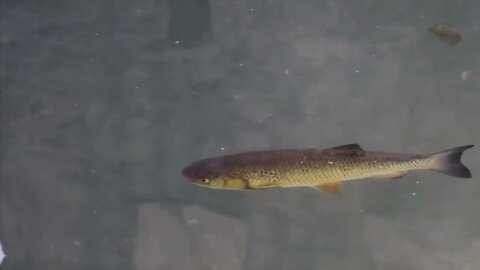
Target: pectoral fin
[
  {"x": 334, "y": 188},
  {"x": 394, "y": 175}
]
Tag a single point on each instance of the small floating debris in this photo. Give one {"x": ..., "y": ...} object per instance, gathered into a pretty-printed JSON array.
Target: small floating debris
[
  {"x": 465, "y": 75},
  {"x": 2, "y": 255},
  {"x": 446, "y": 33}
]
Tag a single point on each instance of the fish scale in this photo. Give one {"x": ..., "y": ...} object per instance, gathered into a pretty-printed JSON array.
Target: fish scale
[{"x": 293, "y": 172}]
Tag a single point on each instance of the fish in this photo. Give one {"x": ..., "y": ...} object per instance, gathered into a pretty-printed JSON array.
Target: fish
[
  {"x": 447, "y": 33},
  {"x": 322, "y": 169}
]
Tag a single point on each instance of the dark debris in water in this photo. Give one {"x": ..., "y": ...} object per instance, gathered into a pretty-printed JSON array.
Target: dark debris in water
[{"x": 446, "y": 33}]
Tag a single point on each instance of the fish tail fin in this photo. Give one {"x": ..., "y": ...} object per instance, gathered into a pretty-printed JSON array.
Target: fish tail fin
[{"x": 449, "y": 162}]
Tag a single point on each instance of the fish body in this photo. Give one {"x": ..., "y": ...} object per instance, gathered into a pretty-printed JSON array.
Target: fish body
[{"x": 322, "y": 169}]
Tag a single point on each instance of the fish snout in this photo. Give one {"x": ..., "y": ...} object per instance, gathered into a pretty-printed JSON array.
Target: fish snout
[{"x": 188, "y": 172}]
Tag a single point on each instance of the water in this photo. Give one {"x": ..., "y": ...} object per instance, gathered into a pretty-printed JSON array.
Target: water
[{"x": 104, "y": 102}]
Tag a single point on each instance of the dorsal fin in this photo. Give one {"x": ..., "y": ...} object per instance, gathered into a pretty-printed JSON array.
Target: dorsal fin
[
  {"x": 351, "y": 146},
  {"x": 352, "y": 149}
]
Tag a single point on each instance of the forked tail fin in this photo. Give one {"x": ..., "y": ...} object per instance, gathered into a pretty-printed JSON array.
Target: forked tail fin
[{"x": 448, "y": 162}]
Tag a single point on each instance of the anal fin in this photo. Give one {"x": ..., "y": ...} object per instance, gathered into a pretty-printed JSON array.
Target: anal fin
[
  {"x": 395, "y": 175},
  {"x": 333, "y": 188}
]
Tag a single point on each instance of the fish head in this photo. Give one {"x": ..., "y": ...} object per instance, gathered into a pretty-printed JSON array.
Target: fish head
[{"x": 212, "y": 173}]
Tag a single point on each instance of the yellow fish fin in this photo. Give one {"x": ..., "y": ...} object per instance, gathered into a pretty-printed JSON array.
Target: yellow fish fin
[
  {"x": 394, "y": 175},
  {"x": 334, "y": 188}
]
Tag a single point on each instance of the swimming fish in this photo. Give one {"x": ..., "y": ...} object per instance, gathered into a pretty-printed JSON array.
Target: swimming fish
[
  {"x": 320, "y": 169},
  {"x": 446, "y": 33}
]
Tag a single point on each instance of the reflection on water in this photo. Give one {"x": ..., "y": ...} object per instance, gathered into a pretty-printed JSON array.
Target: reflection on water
[{"x": 103, "y": 104}]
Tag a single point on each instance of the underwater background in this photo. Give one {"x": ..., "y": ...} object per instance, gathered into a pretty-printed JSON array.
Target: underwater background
[{"x": 104, "y": 102}]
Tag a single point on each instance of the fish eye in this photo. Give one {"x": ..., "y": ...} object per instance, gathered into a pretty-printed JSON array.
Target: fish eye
[{"x": 204, "y": 180}]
